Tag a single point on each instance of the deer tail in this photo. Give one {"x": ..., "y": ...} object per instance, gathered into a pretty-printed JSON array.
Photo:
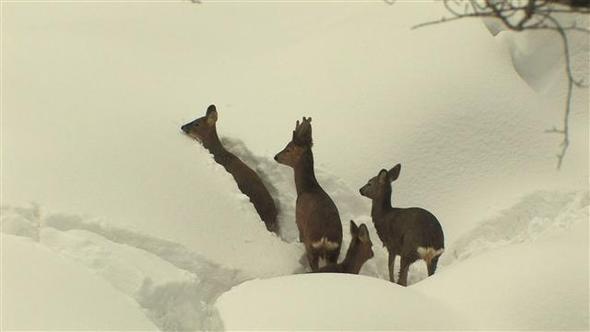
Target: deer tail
[
  {"x": 428, "y": 253},
  {"x": 327, "y": 250},
  {"x": 325, "y": 244}
]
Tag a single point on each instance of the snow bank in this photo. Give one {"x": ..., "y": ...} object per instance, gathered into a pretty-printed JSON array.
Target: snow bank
[
  {"x": 173, "y": 285},
  {"x": 533, "y": 217},
  {"x": 330, "y": 302},
  {"x": 42, "y": 291},
  {"x": 532, "y": 276},
  {"x": 529, "y": 286}
]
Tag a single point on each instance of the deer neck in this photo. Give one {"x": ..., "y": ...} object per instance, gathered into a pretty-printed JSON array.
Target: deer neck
[
  {"x": 381, "y": 205},
  {"x": 214, "y": 146},
  {"x": 352, "y": 263},
  {"x": 304, "y": 174}
]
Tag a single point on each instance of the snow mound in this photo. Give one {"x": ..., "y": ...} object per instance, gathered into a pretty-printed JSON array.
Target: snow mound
[
  {"x": 330, "y": 302},
  {"x": 42, "y": 291},
  {"x": 173, "y": 285},
  {"x": 539, "y": 285},
  {"x": 523, "y": 283}
]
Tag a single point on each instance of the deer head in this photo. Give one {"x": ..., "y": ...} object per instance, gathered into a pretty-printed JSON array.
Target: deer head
[
  {"x": 361, "y": 247},
  {"x": 203, "y": 128},
  {"x": 381, "y": 183},
  {"x": 301, "y": 141}
]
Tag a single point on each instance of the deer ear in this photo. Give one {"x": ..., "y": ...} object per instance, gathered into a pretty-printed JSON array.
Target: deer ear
[
  {"x": 211, "y": 115},
  {"x": 364, "y": 233},
  {"x": 354, "y": 230},
  {"x": 383, "y": 176},
  {"x": 394, "y": 172}
]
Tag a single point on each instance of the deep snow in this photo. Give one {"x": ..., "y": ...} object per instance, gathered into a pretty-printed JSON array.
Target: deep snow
[
  {"x": 501, "y": 276},
  {"x": 43, "y": 291},
  {"x": 93, "y": 96}
]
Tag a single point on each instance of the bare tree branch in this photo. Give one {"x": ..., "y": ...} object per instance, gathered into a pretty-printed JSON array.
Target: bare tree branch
[{"x": 521, "y": 15}]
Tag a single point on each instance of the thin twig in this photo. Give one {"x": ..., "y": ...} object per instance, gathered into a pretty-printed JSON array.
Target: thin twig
[{"x": 536, "y": 15}]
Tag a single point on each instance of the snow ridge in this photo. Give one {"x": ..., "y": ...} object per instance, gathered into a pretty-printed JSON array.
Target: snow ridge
[
  {"x": 174, "y": 286},
  {"x": 535, "y": 216}
]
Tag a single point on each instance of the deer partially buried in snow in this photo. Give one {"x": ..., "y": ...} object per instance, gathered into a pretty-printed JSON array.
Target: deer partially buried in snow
[
  {"x": 204, "y": 130},
  {"x": 316, "y": 215},
  {"x": 413, "y": 233},
  {"x": 359, "y": 251}
]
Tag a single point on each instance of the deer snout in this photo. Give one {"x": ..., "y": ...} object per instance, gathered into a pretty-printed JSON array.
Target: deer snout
[
  {"x": 276, "y": 157},
  {"x": 185, "y": 128}
]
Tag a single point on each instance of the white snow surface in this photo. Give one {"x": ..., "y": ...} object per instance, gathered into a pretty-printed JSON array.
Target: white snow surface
[
  {"x": 43, "y": 291},
  {"x": 331, "y": 302},
  {"x": 93, "y": 97},
  {"x": 509, "y": 281}
]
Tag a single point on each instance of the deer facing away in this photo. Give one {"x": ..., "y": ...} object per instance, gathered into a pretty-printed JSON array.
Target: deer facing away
[
  {"x": 413, "y": 233},
  {"x": 204, "y": 130},
  {"x": 316, "y": 215},
  {"x": 359, "y": 251}
]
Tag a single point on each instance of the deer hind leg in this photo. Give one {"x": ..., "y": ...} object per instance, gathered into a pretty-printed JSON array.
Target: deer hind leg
[
  {"x": 390, "y": 265},
  {"x": 332, "y": 256},
  {"x": 313, "y": 258},
  {"x": 404, "y": 268},
  {"x": 432, "y": 265}
]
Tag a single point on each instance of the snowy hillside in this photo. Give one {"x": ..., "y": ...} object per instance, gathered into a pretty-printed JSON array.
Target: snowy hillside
[{"x": 127, "y": 218}]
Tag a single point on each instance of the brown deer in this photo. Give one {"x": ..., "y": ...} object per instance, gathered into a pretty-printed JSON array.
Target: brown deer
[
  {"x": 204, "y": 130},
  {"x": 359, "y": 251},
  {"x": 413, "y": 233},
  {"x": 316, "y": 214}
]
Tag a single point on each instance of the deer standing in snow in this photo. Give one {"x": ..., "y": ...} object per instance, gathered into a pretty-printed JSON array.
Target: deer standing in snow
[
  {"x": 204, "y": 130},
  {"x": 316, "y": 215},
  {"x": 359, "y": 251},
  {"x": 412, "y": 233}
]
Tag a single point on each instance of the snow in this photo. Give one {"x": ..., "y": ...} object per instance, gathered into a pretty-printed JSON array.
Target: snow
[
  {"x": 43, "y": 291},
  {"x": 330, "y": 302},
  {"x": 532, "y": 286},
  {"x": 534, "y": 283},
  {"x": 93, "y": 97},
  {"x": 173, "y": 285}
]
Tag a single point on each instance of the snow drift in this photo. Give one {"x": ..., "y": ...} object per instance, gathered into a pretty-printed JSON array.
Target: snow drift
[
  {"x": 42, "y": 291},
  {"x": 504, "y": 278}
]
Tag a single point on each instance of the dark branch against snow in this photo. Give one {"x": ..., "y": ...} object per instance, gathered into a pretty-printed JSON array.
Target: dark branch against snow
[{"x": 520, "y": 15}]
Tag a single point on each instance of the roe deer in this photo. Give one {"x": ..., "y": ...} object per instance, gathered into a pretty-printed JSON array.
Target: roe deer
[
  {"x": 412, "y": 233},
  {"x": 204, "y": 130},
  {"x": 316, "y": 214},
  {"x": 359, "y": 251}
]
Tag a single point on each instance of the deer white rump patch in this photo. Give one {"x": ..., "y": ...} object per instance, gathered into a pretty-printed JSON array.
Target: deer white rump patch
[
  {"x": 429, "y": 253},
  {"x": 325, "y": 244}
]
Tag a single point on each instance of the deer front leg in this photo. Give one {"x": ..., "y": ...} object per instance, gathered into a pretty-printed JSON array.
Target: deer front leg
[{"x": 390, "y": 265}]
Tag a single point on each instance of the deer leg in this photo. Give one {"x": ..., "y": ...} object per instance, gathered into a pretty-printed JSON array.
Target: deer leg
[
  {"x": 390, "y": 265},
  {"x": 403, "y": 271},
  {"x": 332, "y": 256},
  {"x": 313, "y": 258},
  {"x": 432, "y": 265}
]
